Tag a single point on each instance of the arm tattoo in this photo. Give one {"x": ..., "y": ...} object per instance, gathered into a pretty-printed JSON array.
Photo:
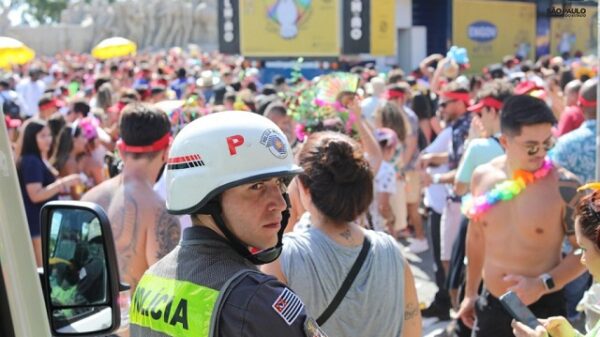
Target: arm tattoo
[
  {"x": 168, "y": 232},
  {"x": 346, "y": 234},
  {"x": 410, "y": 311},
  {"x": 567, "y": 186}
]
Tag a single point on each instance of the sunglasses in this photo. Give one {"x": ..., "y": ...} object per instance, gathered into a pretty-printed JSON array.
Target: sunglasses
[
  {"x": 533, "y": 149},
  {"x": 444, "y": 104}
]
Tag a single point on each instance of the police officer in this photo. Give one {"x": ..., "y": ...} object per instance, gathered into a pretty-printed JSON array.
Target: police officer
[{"x": 228, "y": 171}]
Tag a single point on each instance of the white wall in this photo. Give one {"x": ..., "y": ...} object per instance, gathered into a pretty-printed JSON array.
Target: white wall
[
  {"x": 403, "y": 13},
  {"x": 48, "y": 40},
  {"x": 412, "y": 47}
]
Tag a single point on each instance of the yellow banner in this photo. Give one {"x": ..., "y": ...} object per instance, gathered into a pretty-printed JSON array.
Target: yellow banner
[
  {"x": 573, "y": 34},
  {"x": 490, "y": 30},
  {"x": 383, "y": 27},
  {"x": 289, "y": 28}
]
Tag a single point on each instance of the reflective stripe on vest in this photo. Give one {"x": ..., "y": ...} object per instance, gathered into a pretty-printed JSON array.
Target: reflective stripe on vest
[{"x": 172, "y": 307}]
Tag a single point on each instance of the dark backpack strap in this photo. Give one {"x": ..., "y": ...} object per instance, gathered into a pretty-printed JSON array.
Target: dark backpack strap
[{"x": 347, "y": 283}]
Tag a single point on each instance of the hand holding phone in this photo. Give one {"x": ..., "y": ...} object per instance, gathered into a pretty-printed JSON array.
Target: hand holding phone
[{"x": 511, "y": 302}]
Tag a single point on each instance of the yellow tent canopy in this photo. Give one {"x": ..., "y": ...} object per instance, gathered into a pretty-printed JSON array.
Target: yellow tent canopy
[
  {"x": 114, "y": 47},
  {"x": 13, "y": 51}
]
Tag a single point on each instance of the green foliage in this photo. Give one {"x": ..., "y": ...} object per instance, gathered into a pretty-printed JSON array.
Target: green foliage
[{"x": 46, "y": 11}]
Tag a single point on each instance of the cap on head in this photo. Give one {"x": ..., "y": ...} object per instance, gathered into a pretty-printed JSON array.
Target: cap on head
[{"x": 221, "y": 151}]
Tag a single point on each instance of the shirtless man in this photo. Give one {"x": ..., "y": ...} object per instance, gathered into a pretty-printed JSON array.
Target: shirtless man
[
  {"x": 516, "y": 244},
  {"x": 143, "y": 230}
]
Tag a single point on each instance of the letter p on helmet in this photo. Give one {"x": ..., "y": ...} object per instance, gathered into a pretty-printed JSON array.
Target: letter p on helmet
[{"x": 233, "y": 142}]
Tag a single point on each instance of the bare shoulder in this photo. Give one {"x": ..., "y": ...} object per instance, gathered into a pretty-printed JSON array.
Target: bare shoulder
[
  {"x": 102, "y": 193},
  {"x": 161, "y": 226},
  {"x": 487, "y": 175}
]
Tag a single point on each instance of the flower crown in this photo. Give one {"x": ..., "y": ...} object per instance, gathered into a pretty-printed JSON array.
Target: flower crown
[
  {"x": 313, "y": 103},
  {"x": 88, "y": 126}
]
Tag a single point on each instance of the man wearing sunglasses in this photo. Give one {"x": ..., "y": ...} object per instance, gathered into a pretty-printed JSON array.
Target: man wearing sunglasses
[
  {"x": 516, "y": 243},
  {"x": 453, "y": 103},
  {"x": 478, "y": 152}
]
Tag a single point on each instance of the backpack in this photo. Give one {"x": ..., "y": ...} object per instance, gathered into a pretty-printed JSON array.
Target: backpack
[{"x": 10, "y": 108}]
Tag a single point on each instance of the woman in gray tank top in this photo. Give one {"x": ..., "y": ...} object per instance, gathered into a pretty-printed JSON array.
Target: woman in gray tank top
[{"x": 336, "y": 188}]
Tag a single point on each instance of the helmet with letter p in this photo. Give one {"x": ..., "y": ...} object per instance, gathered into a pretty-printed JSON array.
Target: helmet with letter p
[{"x": 221, "y": 151}]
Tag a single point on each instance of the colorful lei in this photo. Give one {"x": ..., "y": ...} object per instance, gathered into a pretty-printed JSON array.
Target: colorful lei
[{"x": 474, "y": 208}]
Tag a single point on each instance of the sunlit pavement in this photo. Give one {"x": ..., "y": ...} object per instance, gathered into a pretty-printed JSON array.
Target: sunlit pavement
[{"x": 422, "y": 269}]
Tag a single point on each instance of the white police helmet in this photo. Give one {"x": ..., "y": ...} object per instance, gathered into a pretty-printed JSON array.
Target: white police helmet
[{"x": 220, "y": 151}]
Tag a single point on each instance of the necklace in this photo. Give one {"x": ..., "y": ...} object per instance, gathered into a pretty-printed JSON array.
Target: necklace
[{"x": 474, "y": 208}]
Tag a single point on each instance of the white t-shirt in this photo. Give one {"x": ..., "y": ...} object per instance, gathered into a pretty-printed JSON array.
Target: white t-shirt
[
  {"x": 436, "y": 194},
  {"x": 369, "y": 105},
  {"x": 31, "y": 92}
]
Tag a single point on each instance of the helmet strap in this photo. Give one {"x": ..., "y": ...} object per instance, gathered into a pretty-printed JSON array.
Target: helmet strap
[{"x": 268, "y": 255}]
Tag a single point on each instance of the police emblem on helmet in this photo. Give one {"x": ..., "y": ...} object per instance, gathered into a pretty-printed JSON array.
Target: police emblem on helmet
[{"x": 275, "y": 143}]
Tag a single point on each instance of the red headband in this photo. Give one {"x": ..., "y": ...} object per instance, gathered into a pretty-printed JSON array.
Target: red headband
[
  {"x": 585, "y": 103},
  {"x": 459, "y": 96},
  {"x": 158, "y": 145},
  {"x": 489, "y": 102},
  {"x": 48, "y": 105},
  {"x": 393, "y": 94}
]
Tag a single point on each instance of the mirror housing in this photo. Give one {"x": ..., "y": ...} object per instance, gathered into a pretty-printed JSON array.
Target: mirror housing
[{"x": 81, "y": 274}]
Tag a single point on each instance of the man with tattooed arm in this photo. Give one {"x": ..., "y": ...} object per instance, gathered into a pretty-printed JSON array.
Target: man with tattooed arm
[
  {"x": 522, "y": 209},
  {"x": 143, "y": 230}
]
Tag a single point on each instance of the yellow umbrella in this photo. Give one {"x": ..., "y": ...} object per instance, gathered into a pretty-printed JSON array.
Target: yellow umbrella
[
  {"x": 114, "y": 47},
  {"x": 13, "y": 51}
]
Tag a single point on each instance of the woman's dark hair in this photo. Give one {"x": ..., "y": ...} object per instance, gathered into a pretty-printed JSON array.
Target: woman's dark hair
[
  {"x": 566, "y": 76},
  {"x": 64, "y": 146},
  {"x": 421, "y": 105},
  {"x": 524, "y": 110},
  {"x": 56, "y": 123},
  {"x": 337, "y": 175},
  {"x": 82, "y": 107},
  {"x": 392, "y": 116},
  {"x": 589, "y": 217},
  {"x": 30, "y": 146}
]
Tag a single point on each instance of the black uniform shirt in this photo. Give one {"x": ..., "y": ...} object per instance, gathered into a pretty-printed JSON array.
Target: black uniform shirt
[{"x": 256, "y": 305}]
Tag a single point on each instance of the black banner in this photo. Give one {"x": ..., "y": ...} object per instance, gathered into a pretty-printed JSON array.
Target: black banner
[
  {"x": 229, "y": 26},
  {"x": 356, "y": 26}
]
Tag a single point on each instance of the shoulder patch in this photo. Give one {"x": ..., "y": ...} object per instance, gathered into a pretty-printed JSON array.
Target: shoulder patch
[
  {"x": 312, "y": 329},
  {"x": 288, "y": 305}
]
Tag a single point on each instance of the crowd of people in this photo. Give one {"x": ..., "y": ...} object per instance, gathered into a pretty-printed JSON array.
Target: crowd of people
[{"x": 483, "y": 170}]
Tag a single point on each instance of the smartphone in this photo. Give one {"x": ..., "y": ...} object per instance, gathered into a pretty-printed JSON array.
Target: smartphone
[{"x": 511, "y": 303}]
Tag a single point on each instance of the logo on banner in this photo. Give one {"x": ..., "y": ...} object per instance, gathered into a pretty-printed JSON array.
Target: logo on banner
[
  {"x": 482, "y": 31},
  {"x": 228, "y": 25},
  {"x": 288, "y": 14},
  {"x": 566, "y": 12},
  {"x": 356, "y": 24}
]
